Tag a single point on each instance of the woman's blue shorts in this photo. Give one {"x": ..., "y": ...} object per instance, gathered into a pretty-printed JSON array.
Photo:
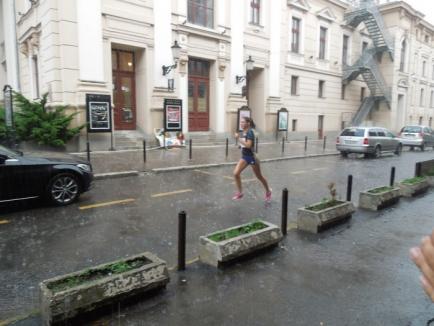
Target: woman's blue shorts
[{"x": 249, "y": 159}]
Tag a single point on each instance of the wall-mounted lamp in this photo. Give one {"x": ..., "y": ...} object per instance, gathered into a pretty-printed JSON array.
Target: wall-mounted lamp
[
  {"x": 176, "y": 49},
  {"x": 249, "y": 66}
]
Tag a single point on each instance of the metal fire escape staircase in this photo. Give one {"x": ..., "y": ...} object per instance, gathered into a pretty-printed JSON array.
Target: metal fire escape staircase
[{"x": 367, "y": 65}]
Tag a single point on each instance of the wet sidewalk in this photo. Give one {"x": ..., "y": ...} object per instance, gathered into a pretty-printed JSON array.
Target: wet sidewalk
[{"x": 158, "y": 160}]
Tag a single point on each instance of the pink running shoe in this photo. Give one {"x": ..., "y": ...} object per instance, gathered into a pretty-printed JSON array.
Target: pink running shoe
[
  {"x": 238, "y": 196},
  {"x": 268, "y": 196}
]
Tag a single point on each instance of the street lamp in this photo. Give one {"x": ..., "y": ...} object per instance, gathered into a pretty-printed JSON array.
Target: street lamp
[
  {"x": 176, "y": 49},
  {"x": 249, "y": 66}
]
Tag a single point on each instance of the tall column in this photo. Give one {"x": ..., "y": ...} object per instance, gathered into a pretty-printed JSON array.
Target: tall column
[
  {"x": 11, "y": 44},
  {"x": 275, "y": 39},
  {"x": 163, "y": 41},
  {"x": 237, "y": 45},
  {"x": 90, "y": 42}
]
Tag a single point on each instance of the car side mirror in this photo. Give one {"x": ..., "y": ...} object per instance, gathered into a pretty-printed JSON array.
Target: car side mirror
[{"x": 3, "y": 158}]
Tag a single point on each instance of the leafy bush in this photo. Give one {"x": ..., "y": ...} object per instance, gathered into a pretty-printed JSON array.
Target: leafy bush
[
  {"x": 3, "y": 129},
  {"x": 33, "y": 121}
]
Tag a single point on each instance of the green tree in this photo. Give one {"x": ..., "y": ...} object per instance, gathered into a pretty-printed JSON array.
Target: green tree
[
  {"x": 3, "y": 129},
  {"x": 47, "y": 126}
]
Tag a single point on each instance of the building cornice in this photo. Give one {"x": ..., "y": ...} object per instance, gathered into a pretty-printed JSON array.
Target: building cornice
[{"x": 413, "y": 13}]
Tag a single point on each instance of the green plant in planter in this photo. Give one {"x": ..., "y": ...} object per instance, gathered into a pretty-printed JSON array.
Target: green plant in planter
[
  {"x": 3, "y": 127},
  {"x": 413, "y": 181},
  {"x": 249, "y": 228},
  {"x": 326, "y": 202},
  {"x": 380, "y": 190},
  {"x": 47, "y": 126}
]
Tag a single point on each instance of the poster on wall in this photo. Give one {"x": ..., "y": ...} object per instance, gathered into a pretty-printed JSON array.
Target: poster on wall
[
  {"x": 173, "y": 115},
  {"x": 98, "y": 109},
  {"x": 243, "y": 112},
  {"x": 282, "y": 120}
]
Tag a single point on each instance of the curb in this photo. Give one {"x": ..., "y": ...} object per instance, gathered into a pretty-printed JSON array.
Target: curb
[
  {"x": 197, "y": 166},
  {"x": 113, "y": 175}
]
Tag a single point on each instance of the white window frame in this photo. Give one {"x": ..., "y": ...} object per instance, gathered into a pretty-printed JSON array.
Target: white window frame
[
  {"x": 301, "y": 40},
  {"x": 327, "y": 42}
]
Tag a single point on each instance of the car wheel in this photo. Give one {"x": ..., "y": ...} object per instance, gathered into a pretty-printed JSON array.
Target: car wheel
[
  {"x": 422, "y": 147},
  {"x": 377, "y": 152},
  {"x": 63, "y": 189},
  {"x": 344, "y": 154},
  {"x": 398, "y": 150}
]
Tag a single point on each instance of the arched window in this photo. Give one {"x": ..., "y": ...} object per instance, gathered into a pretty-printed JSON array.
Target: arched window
[{"x": 403, "y": 50}]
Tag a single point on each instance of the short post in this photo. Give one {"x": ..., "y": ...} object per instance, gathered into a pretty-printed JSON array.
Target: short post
[
  {"x": 324, "y": 143},
  {"x": 349, "y": 187},
  {"x": 305, "y": 143},
  {"x": 190, "y": 154},
  {"x": 144, "y": 150},
  {"x": 88, "y": 150},
  {"x": 418, "y": 171},
  {"x": 284, "y": 211},
  {"x": 283, "y": 145},
  {"x": 182, "y": 221},
  {"x": 392, "y": 176},
  {"x": 227, "y": 147},
  {"x": 256, "y": 144}
]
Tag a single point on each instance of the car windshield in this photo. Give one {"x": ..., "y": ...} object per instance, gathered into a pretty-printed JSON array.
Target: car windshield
[
  {"x": 8, "y": 152},
  {"x": 353, "y": 132},
  {"x": 414, "y": 129}
]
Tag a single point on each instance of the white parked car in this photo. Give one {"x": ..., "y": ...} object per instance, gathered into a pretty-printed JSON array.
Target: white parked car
[{"x": 371, "y": 141}]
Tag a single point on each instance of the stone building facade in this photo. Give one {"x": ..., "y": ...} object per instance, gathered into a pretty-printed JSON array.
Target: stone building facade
[{"x": 298, "y": 48}]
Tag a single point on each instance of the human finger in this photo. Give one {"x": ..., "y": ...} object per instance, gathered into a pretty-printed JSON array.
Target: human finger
[
  {"x": 419, "y": 259},
  {"x": 427, "y": 249},
  {"x": 427, "y": 287}
]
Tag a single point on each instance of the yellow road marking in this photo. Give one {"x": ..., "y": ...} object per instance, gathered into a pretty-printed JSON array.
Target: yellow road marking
[
  {"x": 18, "y": 318},
  {"x": 110, "y": 203},
  {"x": 291, "y": 225},
  {"x": 247, "y": 180},
  {"x": 215, "y": 174},
  {"x": 188, "y": 262},
  {"x": 4, "y": 221},
  {"x": 299, "y": 172},
  {"x": 171, "y": 193}
]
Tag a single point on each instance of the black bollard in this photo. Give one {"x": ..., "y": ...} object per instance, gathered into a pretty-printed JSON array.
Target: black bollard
[
  {"x": 88, "y": 150},
  {"x": 324, "y": 143},
  {"x": 256, "y": 144},
  {"x": 349, "y": 187},
  {"x": 392, "y": 176},
  {"x": 144, "y": 150},
  {"x": 305, "y": 143},
  {"x": 418, "y": 171},
  {"x": 182, "y": 221},
  {"x": 227, "y": 147},
  {"x": 283, "y": 145},
  {"x": 284, "y": 211},
  {"x": 190, "y": 154}
]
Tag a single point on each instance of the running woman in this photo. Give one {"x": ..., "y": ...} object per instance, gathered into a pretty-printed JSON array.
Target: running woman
[{"x": 247, "y": 142}]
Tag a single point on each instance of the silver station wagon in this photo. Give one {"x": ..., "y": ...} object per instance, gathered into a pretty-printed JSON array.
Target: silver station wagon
[
  {"x": 417, "y": 136},
  {"x": 371, "y": 141}
]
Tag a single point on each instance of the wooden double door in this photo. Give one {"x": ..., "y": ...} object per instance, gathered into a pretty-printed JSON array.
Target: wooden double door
[{"x": 198, "y": 95}]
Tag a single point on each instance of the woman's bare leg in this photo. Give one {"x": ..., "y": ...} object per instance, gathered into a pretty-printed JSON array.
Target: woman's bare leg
[
  {"x": 257, "y": 170},
  {"x": 237, "y": 174}
]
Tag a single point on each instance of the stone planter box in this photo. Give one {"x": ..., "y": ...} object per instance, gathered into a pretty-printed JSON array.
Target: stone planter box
[
  {"x": 414, "y": 189},
  {"x": 63, "y": 302},
  {"x": 216, "y": 253},
  {"x": 430, "y": 179},
  {"x": 315, "y": 221},
  {"x": 377, "y": 201}
]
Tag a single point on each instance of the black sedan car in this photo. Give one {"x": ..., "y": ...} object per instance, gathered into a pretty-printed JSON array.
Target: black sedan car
[{"x": 60, "y": 180}]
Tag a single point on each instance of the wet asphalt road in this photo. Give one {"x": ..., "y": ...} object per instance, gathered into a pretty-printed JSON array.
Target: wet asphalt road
[{"x": 356, "y": 274}]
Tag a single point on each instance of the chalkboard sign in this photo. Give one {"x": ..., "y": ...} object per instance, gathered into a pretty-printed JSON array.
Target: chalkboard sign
[
  {"x": 98, "y": 113},
  {"x": 172, "y": 114}
]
